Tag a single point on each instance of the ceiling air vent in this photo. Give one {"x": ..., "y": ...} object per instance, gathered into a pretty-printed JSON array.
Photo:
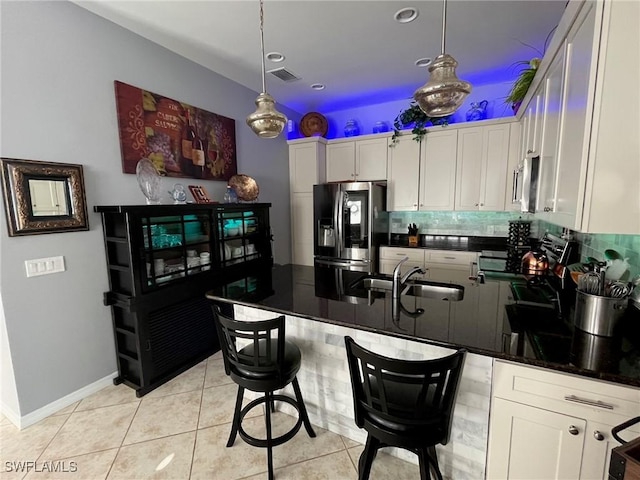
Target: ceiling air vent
[{"x": 283, "y": 74}]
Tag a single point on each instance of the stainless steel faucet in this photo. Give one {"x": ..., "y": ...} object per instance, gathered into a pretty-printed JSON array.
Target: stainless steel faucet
[{"x": 398, "y": 281}]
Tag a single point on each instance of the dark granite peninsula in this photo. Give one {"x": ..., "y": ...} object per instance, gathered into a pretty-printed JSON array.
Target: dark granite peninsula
[{"x": 478, "y": 322}]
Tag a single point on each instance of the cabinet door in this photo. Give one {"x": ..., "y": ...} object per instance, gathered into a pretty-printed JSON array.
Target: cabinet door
[
  {"x": 469, "y": 168},
  {"x": 494, "y": 167},
  {"x": 550, "y": 132},
  {"x": 304, "y": 165},
  {"x": 530, "y": 443},
  {"x": 302, "y": 228},
  {"x": 597, "y": 451},
  {"x": 574, "y": 137},
  {"x": 533, "y": 122},
  {"x": 340, "y": 162},
  {"x": 371, "y": 159},
  {"x": 402, "y": 174},
  {"x": 438, "y": 170}
]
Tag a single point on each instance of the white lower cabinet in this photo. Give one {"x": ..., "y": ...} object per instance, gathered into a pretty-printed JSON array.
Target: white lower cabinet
[
  {"x": 548, "y": 425},
  {"x": 534, "y": 443}
]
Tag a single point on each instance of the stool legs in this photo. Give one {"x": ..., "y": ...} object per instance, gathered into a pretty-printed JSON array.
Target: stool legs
[
  {"x": 367, "y": 457},
  {"x": 236, "y": 416},
  {"x": 303, "y": 409},
  {"x": 267, "y": 420},
  {"x": 428, "y": 462}
]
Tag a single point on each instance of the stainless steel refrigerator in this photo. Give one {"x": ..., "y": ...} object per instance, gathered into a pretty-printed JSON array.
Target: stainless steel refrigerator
[{"x": 350, "y": 222}]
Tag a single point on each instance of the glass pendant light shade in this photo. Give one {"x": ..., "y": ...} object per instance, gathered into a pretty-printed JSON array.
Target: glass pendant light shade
[
  {"x": 444, "y": 93},
  {"x": 266, "y": 121}
]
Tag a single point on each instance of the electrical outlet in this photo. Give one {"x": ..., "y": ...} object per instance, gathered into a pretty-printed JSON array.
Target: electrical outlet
[{"x": 44, "y": 266}]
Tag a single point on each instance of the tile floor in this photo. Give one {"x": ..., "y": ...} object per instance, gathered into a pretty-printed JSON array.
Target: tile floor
[{"x": 179, "y": 431}]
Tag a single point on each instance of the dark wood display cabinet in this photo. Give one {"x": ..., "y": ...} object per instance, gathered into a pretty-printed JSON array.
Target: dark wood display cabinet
[{"x": 161, "y": 260}]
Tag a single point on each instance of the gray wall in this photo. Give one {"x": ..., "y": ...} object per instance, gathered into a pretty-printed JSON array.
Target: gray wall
[{"x": 58, "y": 104}]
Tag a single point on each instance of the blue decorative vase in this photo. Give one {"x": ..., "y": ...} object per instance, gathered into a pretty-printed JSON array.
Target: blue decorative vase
[
  {"x": 380, "y": 127},
  {"x": 351, "y": 129},
  {"x": 478, "y": 111}
]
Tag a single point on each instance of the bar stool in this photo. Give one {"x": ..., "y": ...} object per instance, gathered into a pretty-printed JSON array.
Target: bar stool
[
  {"x": 261, "y": 361},
  {"x": 403, "y": 403}
]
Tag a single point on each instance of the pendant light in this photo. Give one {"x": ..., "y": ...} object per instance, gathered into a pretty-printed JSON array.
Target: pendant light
[
  {"x": 266, "y": 121},
  {"x": 444, "y": 93}
]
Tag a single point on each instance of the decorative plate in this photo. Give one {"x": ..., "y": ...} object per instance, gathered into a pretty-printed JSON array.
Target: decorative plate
[
  {"x": 314, "y": 123},
  {"x": 245, "y": 186}
]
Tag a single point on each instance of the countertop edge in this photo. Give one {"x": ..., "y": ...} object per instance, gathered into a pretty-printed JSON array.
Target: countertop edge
[{"x": 497, "y": 355}]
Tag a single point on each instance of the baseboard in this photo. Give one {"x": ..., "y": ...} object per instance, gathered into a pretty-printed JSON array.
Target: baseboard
[{"x": 57, "y": 405}]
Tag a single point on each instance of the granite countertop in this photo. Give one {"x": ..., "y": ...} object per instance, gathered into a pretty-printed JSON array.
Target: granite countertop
[
  {"x": 335, "y": 296},
  {"x": 451, "y": 242}
]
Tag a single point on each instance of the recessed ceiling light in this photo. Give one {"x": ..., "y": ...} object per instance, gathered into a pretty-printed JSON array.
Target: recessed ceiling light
[
  {"x": 406, "y": 15},
  {"x": 275, "y": 56},
  {"x": 423, "y": 62},
  {"x": 317, "y": 86}
]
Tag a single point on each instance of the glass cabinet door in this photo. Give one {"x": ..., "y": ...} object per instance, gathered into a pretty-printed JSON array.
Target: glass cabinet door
[
  {"x": 176, "y": 246},
  {"x": 241, "y": 238}
]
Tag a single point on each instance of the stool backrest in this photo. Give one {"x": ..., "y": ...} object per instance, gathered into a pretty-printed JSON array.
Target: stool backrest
[
  {"x": 409, "y": 392},
  {"x": 254, "y": 352}
]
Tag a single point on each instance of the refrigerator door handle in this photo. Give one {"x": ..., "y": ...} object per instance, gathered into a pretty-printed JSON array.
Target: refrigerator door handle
[{"x": 339, "y": 221}]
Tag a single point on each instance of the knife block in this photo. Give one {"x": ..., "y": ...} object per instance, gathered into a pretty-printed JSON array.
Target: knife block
[{"x": 413, "y": 240}]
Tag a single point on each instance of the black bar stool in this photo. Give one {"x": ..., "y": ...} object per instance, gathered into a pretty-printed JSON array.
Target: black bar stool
[
  {"x": 263, "y": 361},
  {"x": 403, "y": 403}
]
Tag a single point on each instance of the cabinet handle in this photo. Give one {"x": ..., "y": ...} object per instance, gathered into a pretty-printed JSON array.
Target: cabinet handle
[
  {"x": 514, "y": 188},
  {"x": 598, "y": 436},
  {"x": 415, "y": 204},
  {"x": 573, "y": 430},
  {"x": 476, "y": 204},
  {"x": 482, "y": 204},
  {"x": 148, "y": 345},
  {"x": 586, "y": 401}
]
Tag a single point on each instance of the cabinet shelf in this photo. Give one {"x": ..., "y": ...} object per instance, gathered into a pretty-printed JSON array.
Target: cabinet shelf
[
  {"x": 117, "y": 239},
  {"x": 130, "y": 357}
]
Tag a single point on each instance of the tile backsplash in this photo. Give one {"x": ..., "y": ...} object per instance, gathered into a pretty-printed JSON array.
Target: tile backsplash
[
  {"x": 484, "y": 224},
  {"x": 496, "y": 224}
]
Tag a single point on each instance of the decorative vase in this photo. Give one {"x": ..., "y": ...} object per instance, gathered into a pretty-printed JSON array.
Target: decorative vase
[
  {"x": 149, "y": 180},
  {"x": 351, "y": 129},
  {"x": 380, "y": 127},
  {"x": 478, "y": 111}
]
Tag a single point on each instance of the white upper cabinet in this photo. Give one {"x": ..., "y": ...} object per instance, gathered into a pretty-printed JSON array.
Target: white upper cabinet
[
  {"x": 403, "y": 172},
  {"x": 306, "y": 164},
  {"x": 438, "y": 170},
  {"x": 550, "y": 133},
  {"x": 590, "y": 154},
  {"x": 482, "y": 158},
  {"x": 357, "y": 160}
]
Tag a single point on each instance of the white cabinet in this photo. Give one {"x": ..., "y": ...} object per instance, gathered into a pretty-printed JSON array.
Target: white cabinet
[
  {"x": 48, "y": 197},
  {"x": 357, "y": 160},
  {"x": 390, "y": 256},
  {"x": 536, "y": 444},
  {"x": 482, "y": 158},
  {"x": 597, "y": 169},
  {"x": 552, "y": 425},
  {"x": 553, "y": 84},
  {"x": 403, "y": 174},
  {"x": 306, "y": 168},
  {"x": 438, "y": 170}
]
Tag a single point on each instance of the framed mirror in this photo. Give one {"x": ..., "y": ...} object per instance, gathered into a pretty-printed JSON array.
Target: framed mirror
[{"x": 43, "y": 197}]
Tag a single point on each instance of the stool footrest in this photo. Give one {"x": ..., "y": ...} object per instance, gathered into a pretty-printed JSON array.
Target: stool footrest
[{"x": 263, "y": 442}]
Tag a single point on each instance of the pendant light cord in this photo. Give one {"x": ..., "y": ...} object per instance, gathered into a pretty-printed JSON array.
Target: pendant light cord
[
  {"x": 444, "y": 23},
  {"x": 264, "y": 83}
]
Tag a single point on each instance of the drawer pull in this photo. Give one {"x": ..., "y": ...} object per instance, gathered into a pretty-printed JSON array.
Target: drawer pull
[
  {"x": 450, "y": 258},
  {"x": 573, "y": 430},
  {"x": 598, "y": 436},
  {"x": 592, "y": 403}
]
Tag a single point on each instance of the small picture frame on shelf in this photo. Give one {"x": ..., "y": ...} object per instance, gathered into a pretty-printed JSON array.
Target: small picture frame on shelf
[{"x": 200, "y": 195}]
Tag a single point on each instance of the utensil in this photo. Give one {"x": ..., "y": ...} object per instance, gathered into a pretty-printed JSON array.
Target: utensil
[
  {"x": 611, "y": 255},
  {"x": 617, "y": 290},
  {"x": 589, "y": 283}
]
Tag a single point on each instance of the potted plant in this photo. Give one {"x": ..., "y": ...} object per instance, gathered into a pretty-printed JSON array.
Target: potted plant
[
  {"x": 522, "y": 83},
  {"x": 415, "y": 117}
]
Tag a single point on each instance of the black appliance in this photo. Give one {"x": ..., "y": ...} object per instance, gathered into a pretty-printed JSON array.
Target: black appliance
[
  {"x": 533, "y": 326},
  {"x": 350, "y": 222}
]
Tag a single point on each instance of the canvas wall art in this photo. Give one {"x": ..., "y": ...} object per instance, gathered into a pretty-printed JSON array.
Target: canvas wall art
[{"x": 180, "y": 140}]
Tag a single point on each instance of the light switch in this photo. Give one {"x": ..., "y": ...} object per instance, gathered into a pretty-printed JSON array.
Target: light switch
[{"x": 44, "y": 266}]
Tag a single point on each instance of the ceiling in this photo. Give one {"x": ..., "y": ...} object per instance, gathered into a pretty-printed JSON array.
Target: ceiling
[{"x": 355, "y": 48}]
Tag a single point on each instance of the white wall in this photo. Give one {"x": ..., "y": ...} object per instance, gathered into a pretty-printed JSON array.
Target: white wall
[{"x": 58, "y": 64}]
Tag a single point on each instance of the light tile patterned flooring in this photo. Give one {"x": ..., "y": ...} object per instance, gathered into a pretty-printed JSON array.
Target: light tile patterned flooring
[{"x": 179, "y": 431}]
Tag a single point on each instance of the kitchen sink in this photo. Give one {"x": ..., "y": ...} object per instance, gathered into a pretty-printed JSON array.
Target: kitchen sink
[
  {"x": 434, "y": 290},
  {"x": 416, "y": 288}
]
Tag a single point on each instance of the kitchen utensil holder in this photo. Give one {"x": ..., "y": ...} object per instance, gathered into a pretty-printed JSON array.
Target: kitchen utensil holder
[{"x": 598, "y": 315}]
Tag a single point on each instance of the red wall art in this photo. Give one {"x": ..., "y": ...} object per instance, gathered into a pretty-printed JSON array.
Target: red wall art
[{"x": 180, "y": 140}]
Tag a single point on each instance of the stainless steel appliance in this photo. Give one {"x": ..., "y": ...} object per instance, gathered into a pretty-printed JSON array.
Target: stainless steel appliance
[
  {"x": 350, "y": 222},
  {"x": 525, "y": 183}
]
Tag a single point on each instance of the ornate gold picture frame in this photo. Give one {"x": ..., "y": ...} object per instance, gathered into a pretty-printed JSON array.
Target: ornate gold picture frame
[{"x": 43, "y": 197}]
